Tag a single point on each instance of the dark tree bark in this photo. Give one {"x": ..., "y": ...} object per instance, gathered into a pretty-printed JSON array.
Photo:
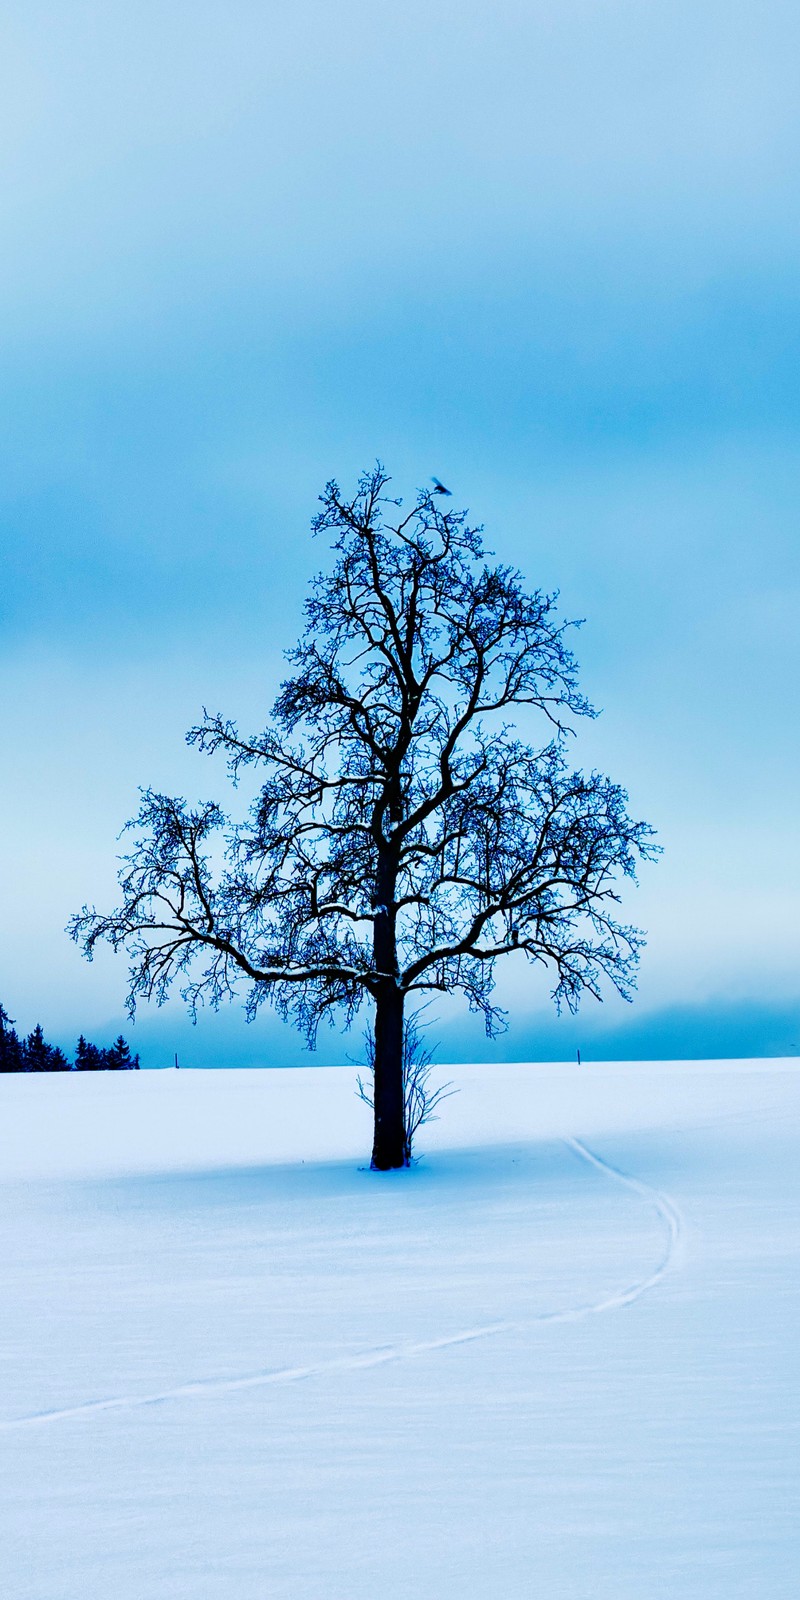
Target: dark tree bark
[
  {"x": 390, "y": 1142},
  {"x": 389, "y": 1147},
  {"x": 404, "y": 837}
]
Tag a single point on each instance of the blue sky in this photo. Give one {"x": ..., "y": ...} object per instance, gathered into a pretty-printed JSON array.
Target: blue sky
[{"x": 547, "y": 251}]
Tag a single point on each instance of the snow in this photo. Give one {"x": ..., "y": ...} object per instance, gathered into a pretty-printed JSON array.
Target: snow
[{"x": 558, "y": 1358}]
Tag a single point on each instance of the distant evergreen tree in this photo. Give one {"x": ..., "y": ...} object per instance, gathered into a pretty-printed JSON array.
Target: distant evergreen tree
[
  {"x": 39, "y": 1056},
  {"x": 119, "y": 1056},
  {"x": 11, "y": 1051},
  {"x": 87, "y": 1056}
]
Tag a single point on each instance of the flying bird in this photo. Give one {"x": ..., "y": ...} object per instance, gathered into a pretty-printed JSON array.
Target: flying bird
[{"x": 439, "y": 488}]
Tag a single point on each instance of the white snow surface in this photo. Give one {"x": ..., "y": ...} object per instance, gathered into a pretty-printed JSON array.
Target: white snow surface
[{"x": 557, "y": 1358}]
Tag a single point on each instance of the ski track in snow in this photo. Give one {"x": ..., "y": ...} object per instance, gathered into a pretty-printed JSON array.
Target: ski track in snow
[{"x": 202, "y": 1387}]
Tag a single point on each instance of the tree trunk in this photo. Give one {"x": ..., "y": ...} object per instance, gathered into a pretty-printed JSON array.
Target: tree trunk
[{"x": 389, "y": 1147}]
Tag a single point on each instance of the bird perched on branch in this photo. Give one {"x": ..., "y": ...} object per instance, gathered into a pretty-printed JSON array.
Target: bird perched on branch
[{"x": 439, "y": 488}]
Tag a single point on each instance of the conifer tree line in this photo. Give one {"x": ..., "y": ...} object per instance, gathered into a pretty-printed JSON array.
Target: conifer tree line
[{"x": 35, "y": 1054}]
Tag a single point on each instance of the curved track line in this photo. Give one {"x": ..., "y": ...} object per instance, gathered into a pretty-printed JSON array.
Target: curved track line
[
  {"x": 666, "y": 1210},
  {"x": 379, "y": 1356}
]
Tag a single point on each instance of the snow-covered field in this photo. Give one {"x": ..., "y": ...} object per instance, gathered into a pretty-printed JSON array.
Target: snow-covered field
[{"x": 559, "y": 1358}]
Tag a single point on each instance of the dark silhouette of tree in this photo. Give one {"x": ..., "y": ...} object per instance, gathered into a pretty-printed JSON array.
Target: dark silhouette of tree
[
  {"x": 39, "y": 1056},
  {"x": 90, "y": 1058},
  {"x": 404, "y": 836},
  {"x": 119, "y": 1057},
  {"x": 11, "y": 1051},
  {"x": 34, "y": 1054}
]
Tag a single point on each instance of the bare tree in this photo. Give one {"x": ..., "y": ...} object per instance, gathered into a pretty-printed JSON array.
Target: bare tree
[{"x": 403, "y": 837}]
